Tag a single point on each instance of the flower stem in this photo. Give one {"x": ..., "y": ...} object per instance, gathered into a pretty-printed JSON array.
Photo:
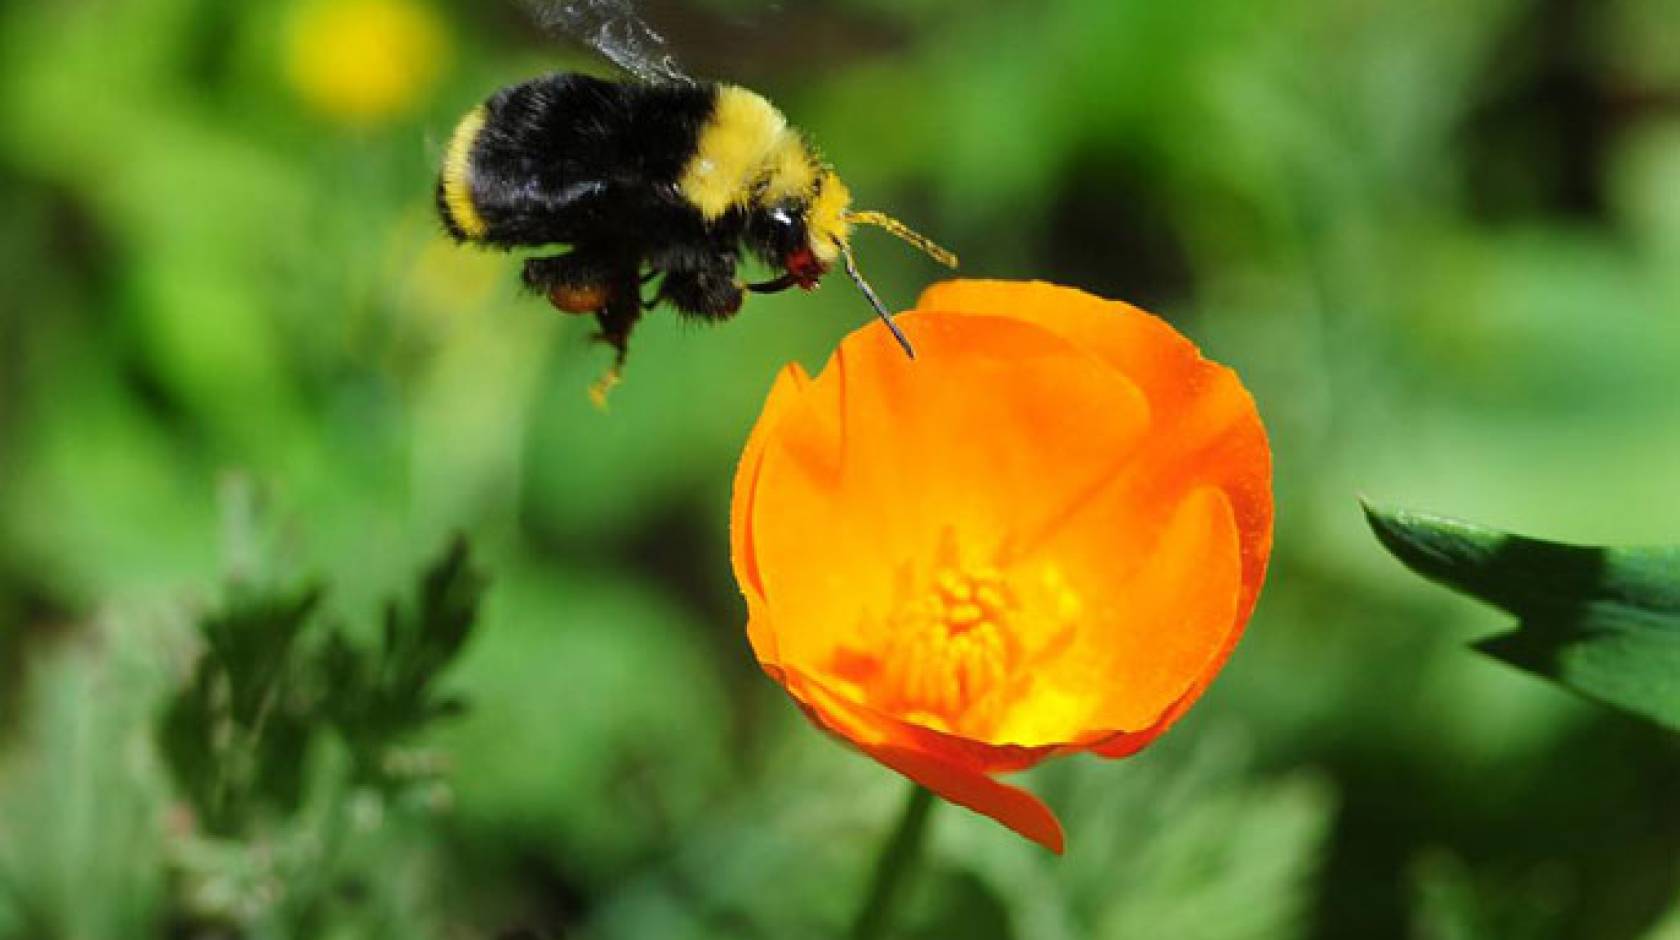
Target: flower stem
[{"x": 896, "y": 862}]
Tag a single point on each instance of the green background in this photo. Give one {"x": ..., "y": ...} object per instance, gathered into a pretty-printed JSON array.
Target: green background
[{"x": 1439, "y": 239}]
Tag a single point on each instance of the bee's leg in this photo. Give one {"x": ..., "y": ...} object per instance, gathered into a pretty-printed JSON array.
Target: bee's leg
[
  {"x": 774, "y": 286},
  {"x": 709, "y": 293},
  {"x": 648, "y": 277},
  {"x": 617, "y": 319},
  {"x": 648, "y": 303}
]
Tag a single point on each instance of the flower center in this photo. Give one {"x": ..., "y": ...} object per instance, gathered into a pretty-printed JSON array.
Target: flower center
[
  {"x": 966, "y": 646},
  {"x": 952, "y": 651}
]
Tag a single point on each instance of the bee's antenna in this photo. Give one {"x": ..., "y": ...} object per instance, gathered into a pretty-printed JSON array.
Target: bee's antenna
[
  {"x": 869, "y": 295},
  {"x": 899, "y": 229}
]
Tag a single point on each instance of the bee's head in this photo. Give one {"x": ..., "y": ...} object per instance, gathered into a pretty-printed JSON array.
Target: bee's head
[
  {"x": 781, "y": 236},
  {"x": 830, "y": 225},
  {"x": 806, "y": 237}
]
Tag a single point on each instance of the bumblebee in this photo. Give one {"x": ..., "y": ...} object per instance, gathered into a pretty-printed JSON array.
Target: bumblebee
[{"x": 653, "y": 186}]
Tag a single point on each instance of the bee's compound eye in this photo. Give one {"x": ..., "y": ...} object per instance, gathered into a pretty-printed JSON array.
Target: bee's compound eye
[
  {"x": 802, "y": 263},
  {"x": 585, "y": 298},
  {"x": 781, "y": 230}
]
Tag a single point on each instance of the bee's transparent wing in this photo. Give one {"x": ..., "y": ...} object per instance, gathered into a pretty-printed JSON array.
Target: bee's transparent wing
[{"x": 612, "y": 28}]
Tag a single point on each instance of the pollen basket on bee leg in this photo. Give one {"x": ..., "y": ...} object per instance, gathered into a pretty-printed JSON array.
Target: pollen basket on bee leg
[{"x": 579, "y": 299}]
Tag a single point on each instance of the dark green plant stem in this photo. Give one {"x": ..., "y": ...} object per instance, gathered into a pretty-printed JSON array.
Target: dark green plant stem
[{"x": 895, "y": 866}]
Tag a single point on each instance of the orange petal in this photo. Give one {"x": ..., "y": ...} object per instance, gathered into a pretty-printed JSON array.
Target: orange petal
[
  {"x": 1207, "y": 428},
  {"x": 743, "y": 556},
  {"x": 1145, "y": 639},
  {"x": 1162, "y": 361},
  {"x": 973, "y": 439}
]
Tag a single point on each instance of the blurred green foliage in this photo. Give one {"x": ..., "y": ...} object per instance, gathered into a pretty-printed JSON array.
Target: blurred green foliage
[
  {"x": 261, "y": 849},
  {"x": 1440, "y": 240},
  {"x": 237, "y": 736}
]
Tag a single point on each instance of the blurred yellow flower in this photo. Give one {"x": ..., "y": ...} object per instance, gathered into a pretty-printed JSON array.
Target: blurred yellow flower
[{"x": 364, "y": 61}]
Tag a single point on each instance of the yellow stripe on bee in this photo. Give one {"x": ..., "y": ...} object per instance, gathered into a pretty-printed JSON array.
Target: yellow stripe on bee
[
  {"x": 457, "y": 176},
  {"x": 733, "y": 151}
]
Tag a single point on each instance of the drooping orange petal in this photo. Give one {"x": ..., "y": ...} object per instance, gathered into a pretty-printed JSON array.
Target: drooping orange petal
[
  {"x": 953, "y": 779},
  {"x": 967, "y": 440},
  {"x": 1013, "y": 806}
]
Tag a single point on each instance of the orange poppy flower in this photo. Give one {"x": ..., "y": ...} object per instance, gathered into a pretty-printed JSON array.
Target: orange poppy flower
[{"x": 1042, "y": 536}]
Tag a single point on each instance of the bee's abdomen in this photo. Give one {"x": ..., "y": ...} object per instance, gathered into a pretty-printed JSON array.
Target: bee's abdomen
[
  {"x": 455, "y": 202},
  {"x": 567, "y": 157}
]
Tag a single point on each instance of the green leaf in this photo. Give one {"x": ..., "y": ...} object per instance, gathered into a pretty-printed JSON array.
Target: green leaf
[
  {"x": 1604, "y": 622},
  {"x": 234, "y": 736},
  {"x": 378, "y": 698}
]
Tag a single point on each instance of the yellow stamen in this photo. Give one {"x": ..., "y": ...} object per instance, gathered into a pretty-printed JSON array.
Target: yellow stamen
[{"x": 953, "y": 651}]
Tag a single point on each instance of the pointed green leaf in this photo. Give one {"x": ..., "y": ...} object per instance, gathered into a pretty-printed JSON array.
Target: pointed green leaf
[{"x": 1602, "y": 621}]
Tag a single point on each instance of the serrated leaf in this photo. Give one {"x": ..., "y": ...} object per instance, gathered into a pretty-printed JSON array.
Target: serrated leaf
[
  {"x": 1604, "y": 622},
  {"x": 233, "y": 736},
  {"x": 380, "y": 696}
]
